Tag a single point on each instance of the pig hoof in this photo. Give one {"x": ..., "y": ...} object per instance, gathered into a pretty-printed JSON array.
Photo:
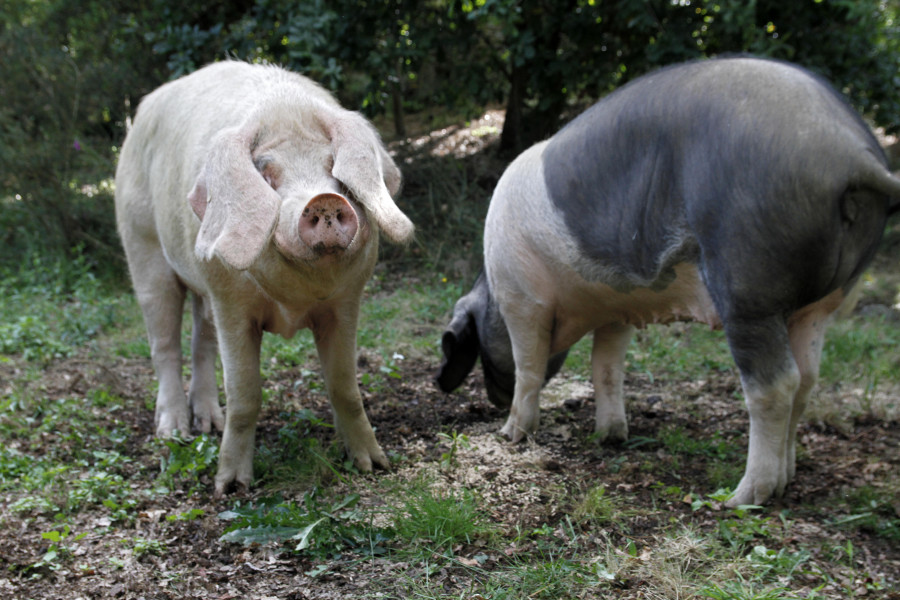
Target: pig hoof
[
  {"x": 749, "y": 492},
  {"x": 364, "y": 461},
  {"x": 225, "y": 482},
  {"x": 615, "y": 433},
  {"x": 173, "y": 425},
  {"x": 512, "y": 432},
  {"x": 205, "y": 419},
  {"x": 225, "y": 488}
]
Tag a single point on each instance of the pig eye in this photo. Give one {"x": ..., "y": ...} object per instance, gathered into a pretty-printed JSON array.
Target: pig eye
[{"x": 269, "y": 170}]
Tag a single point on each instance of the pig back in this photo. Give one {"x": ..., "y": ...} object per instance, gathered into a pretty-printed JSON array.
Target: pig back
[{"x": 720, "y": 161}]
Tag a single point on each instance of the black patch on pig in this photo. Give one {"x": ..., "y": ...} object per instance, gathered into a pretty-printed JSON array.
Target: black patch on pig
[{"x": 740, "y": 166}]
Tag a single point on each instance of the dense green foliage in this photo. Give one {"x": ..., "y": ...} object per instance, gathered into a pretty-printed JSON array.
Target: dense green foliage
[{"x": 72, "y": 72}]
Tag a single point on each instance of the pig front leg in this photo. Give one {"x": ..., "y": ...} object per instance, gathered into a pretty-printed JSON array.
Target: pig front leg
[
  {"x": 608, "y": 368},
  {"x": 161, "y": 297},
  {"x": 530, "y": 337},
  {"x": 239, "y": 341},
  {"x": 335, "y": 334}
]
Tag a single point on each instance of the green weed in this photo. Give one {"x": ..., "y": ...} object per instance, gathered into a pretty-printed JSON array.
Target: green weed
[
  {"x": 142, "y": 547},
  {"x": 454, "y": 441},
  {"x": 742, "y": 590},
  {"x": 314, "y": 527},
  {"x": 298, "y": 457},
  {"x": 59, "y": 550},
  {"x": 185, "y": 461},
  {"x": 545, "y": 577},
  {"x": 769, "y": 564},
  {"x": 600, "y": 509}
]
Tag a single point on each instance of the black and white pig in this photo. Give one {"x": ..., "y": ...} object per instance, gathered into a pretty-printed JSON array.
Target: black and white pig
[
  {"x": 250, "y": 187},
  {"x": 739, "y": 192}
]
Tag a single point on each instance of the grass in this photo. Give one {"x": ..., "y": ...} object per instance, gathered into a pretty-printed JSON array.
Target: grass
[{"x": 438, "y": 519}]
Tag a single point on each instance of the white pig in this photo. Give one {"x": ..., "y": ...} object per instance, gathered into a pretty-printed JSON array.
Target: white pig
[{"x": 250, "y": 187}]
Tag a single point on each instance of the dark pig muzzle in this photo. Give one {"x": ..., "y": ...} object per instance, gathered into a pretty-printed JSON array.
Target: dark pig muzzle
[{"x": 328, "y": 224}]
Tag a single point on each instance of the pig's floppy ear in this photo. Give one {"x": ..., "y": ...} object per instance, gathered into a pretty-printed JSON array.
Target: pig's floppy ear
[
  {"x": 460, "y": 346},
  {"x": 363, "y": 165},
  {"x": 238, "y": 209}
]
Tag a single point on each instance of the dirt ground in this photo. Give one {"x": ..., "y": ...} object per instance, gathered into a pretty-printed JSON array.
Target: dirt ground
[{"x": 523, "y": 486}]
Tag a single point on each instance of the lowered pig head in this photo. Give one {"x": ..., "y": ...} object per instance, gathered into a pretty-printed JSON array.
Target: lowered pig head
[{"x": 477, "y": 329}]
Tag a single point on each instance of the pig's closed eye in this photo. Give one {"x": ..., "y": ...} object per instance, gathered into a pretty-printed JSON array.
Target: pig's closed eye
[{"x": 269, "y": 170}]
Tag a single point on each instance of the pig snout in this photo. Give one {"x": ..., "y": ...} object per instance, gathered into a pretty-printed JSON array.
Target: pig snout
[{"x": 328, "y": 224}]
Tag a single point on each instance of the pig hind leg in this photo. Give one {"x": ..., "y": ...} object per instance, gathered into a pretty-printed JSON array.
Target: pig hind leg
[
  {"x": 204, "y": 394},
  {"x": 771, "y": 380},
  {"x": 161, "y": 296},
  {"x": 608, "y": 367},
  {"x": 807, "y": 336}
]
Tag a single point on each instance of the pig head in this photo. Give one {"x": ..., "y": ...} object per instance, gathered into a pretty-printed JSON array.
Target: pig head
[
  {"x": 741, "y": 193},
  {"x": 477, "y": 330},
  {"x": 251, "y": 188}
]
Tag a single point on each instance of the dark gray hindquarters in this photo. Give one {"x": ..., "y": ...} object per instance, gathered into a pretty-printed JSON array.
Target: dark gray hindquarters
[{"x": 745, "y": 167}]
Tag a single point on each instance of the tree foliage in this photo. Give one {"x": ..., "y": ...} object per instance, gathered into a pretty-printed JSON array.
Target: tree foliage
[{"x": 72, "y": 71}]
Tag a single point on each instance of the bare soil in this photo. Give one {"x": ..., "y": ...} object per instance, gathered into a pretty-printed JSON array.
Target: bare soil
[{"x": 523, "y": 486}]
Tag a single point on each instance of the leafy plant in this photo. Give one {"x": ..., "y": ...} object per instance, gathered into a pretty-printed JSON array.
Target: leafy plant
[
  {"x": 143, "y": 546},
  {"x": 59, "y": 550},
  {"x": 314, "y": 527},
  {"x": 455, "y": 441},
  {"x": 769, "y": 564},
  {"x": 187, "y": 460},
  {"x": 298, "y": 457},
  {"x": 744, "y": 528}
]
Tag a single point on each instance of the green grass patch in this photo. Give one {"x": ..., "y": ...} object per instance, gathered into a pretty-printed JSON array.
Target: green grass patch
[
  {"x": 601, "y": 509},
  {"x": 50, "y": 309},
  {"x": 438, "y": 518},
  {"x": 679, "y": 351},
  {"x": 863, "y": 351},
  {"x": 297, "y": 459},
  {"x": 872, "y": 510}
]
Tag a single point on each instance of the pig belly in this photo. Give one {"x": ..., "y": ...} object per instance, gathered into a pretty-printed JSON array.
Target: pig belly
[{"x": 585, "y": 306}]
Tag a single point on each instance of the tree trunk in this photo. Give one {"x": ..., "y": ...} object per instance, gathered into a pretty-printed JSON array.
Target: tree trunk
[
  {"x": 397, "y": 98},
  {"x": 511, "y": 136}
]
